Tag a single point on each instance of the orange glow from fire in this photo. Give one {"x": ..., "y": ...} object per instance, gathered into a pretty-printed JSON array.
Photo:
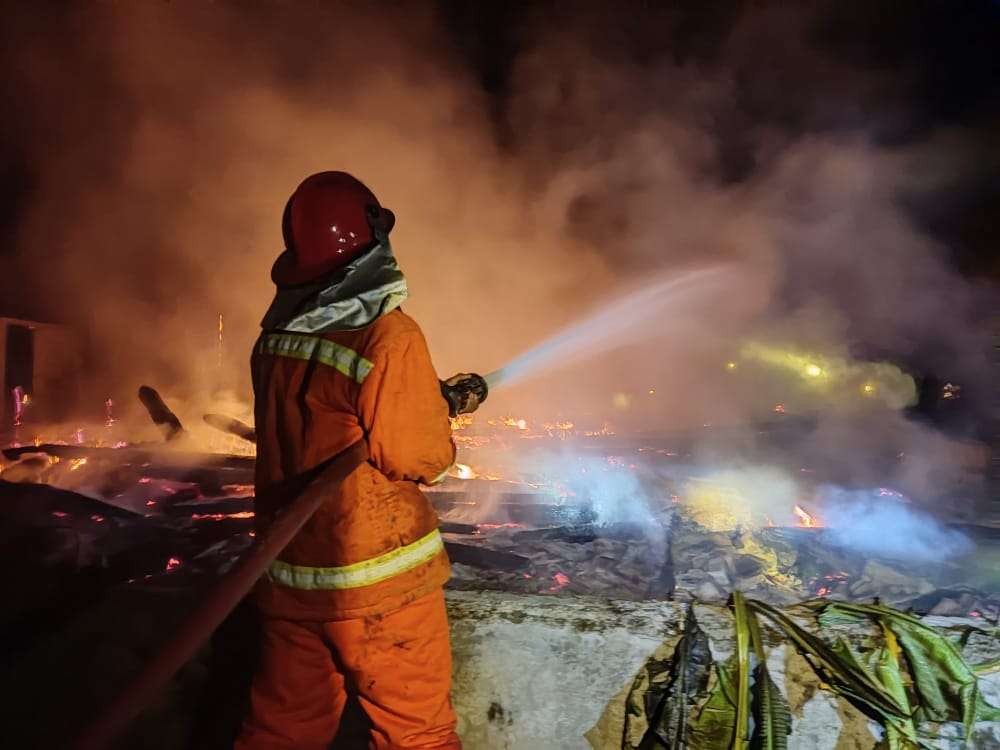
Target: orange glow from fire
[
  {"x": 561, "y": 579},
  {"x": 805, "y": 519},
  {"x": 221, "y": 516}
]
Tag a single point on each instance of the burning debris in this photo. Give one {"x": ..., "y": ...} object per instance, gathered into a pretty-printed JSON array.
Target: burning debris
[{"x": 547, "y": 509}]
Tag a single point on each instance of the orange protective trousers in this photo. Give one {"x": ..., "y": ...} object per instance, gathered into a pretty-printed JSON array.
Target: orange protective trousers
[{"x": 398, "y": 664}]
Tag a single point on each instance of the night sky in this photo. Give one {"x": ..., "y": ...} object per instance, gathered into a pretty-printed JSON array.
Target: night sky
[{"x": 943, "y": 57}]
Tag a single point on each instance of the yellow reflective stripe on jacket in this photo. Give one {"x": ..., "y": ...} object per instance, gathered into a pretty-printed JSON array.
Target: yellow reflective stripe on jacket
[
  {"x": 299, "y": 346},
  {"x": 359, "y": 574}
]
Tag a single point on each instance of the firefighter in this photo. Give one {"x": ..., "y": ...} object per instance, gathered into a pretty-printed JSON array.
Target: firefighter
[{"x": 354, "y": 604}]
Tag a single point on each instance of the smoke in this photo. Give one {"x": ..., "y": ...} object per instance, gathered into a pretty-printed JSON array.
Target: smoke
[
  {"x": 872, "y": 522},
  {"x": 164, "y": 140},
  {"x": 877, "y": 523}
]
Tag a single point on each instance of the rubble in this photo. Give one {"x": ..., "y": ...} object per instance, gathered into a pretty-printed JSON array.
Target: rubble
[{"x": 584, "y": 601}]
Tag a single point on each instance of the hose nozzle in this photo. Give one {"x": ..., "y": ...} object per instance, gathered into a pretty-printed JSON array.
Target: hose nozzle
[{"x": 464, "y": 393}]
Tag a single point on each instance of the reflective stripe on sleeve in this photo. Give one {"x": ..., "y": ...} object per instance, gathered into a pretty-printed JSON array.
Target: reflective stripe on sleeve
[
  {"x": 313, "y": 348},
  {"x": 360, "y": 574}
]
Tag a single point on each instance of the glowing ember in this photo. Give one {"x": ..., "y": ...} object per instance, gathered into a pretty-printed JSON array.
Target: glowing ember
[
  {"x": 173, "y": 563},
  {"x": 561, "y": 579},
  {"x": 97, "y": 519},
  {"x": 461, "y": 421},
  {"x": 557, "y": 426},
  {"x": 21, "y": 400},
  {"x": 221, "y": 516},
  {"x": 221, "y": 345},
  {"x": 59, "y": 514},
  {"x": 492, "y": 526},
  {"x": 241, "y": 490},
  {"x": 76, "y": 463},
  {"x": 779, "y": 408},
  {"x": 805, "y": 520}
]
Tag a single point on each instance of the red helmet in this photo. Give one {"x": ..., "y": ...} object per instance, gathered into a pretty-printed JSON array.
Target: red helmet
[{"x": 329, "y": 221}]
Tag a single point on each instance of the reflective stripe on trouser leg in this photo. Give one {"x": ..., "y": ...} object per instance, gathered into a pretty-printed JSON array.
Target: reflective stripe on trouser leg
[{"x": 359, "y": 574}]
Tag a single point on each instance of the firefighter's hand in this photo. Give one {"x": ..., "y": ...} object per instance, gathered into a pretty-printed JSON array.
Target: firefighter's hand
[{"x": 464, "y": 393}]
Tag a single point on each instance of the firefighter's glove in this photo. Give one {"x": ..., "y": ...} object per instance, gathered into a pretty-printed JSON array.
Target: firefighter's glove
[{"x": 464, "y": 393}]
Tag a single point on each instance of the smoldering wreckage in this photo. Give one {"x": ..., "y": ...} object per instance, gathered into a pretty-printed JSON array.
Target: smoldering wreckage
[{"x": 633, "y": 601}]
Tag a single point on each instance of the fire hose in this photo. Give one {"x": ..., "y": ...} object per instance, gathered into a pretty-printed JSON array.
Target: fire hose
[{"x": 219, "y": 602}]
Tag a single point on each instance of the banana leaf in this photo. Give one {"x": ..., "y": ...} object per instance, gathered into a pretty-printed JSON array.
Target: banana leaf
[
  {"x": 772, "y": 717},
  {"x": 742, "y": 617},
  {"x": 844, "y": 676},
  {"x": 904, "y": 735},
  {"x": 712, "y": 726},
  {"x": 987, "y": 667},
  {"x": 670, "y": 710},
  {"x": 945, "y": 684}
]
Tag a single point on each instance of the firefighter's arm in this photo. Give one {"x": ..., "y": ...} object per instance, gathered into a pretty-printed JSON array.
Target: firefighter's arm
[{"x": 404, "y": 414}]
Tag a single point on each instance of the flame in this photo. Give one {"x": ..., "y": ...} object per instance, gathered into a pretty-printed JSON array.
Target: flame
[
  {"x": 221, "y": 345},
  {"x": 557, "y": 426},
  {"x": 76, "y": 463},
  {"x": 221, "y": 516},
  {"x": 109, "y": 417},
  {"x": 461, "y": 422},
  {"x": 21, "y": 400},
  {"x": 172, "y": 563},
  {"x": 805, "y": 519}
]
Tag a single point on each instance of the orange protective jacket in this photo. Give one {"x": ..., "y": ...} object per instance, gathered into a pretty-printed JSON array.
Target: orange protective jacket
[{"x": 373, "y": 546}]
